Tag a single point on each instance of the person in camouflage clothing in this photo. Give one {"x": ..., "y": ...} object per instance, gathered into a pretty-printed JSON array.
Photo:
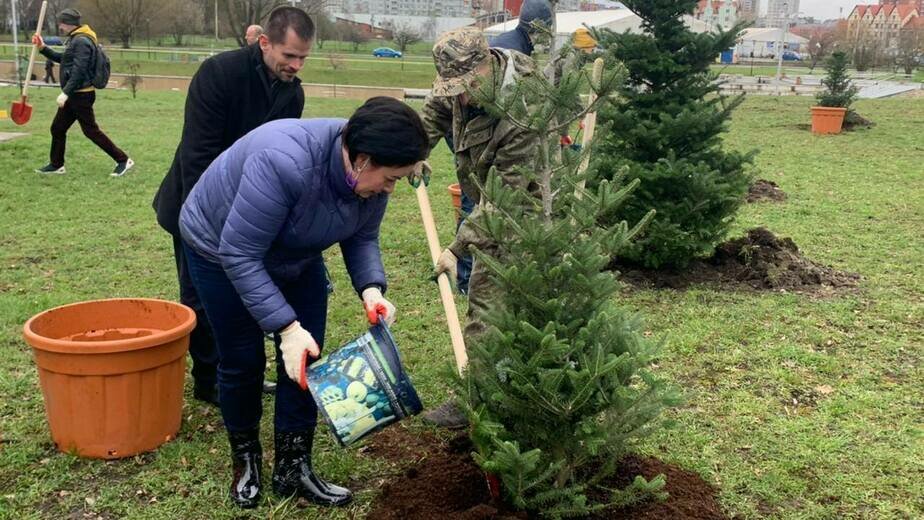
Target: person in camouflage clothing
[{"x": 481, "y": 141}]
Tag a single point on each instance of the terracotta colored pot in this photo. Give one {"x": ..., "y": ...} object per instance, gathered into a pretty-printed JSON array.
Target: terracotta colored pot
[
  {"x": 827, "y": 120},
  {"x": 111, "y": 373},
  {"x": 456, "y": 191}
]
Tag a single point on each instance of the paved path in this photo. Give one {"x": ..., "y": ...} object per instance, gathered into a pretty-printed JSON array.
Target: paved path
[{"x": 9, "y": 136}]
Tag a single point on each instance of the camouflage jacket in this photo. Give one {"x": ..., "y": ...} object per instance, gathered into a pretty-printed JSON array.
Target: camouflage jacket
[{"x": 482, "y": 141}]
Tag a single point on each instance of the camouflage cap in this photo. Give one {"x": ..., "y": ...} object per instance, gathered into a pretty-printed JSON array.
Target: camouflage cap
[{"x": 457, "y": 55}]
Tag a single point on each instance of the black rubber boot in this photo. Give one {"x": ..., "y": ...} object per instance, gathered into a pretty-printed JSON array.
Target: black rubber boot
[
  {"x": 206, "y": 392},
  {"x": 247, "y": 460},
  {"x": 293, "y": 474}
]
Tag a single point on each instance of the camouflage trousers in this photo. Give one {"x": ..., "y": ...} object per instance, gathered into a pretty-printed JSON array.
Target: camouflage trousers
[{"x": 482, "y": 293}]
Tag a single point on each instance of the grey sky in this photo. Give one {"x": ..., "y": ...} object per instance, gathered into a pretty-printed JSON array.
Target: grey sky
[{"x": 825, "y": 9}]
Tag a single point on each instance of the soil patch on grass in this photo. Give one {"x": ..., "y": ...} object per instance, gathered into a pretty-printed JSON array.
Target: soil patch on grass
[
  {"x": 764, "y": 190},
  {"x": 437, "y": 478},
  {"x": 759, "y": 261}
]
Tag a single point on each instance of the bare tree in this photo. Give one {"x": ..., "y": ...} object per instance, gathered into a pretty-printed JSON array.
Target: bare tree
[
  {"x": 325, "y": 29},
  {"x": 178, "y": 18},
  {"x": 119, "y": 18},
  {"x": 865, "y": 48},
  {"x": 821, "y": 43},
  {"x": 354, "y": 34},
  {"x": 404, "y": 35},
  {"x": 241, "y": 13},
  {"x": 910, "y": 48}
]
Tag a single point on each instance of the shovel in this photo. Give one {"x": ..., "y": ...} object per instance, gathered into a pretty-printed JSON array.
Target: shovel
[
  {"x": 449, "y": 302},
  {"x": 21, "y": 111}
]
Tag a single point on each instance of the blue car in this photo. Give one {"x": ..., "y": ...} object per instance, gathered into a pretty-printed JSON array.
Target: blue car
[
  {"x": 385, "y": 52},
  {"x": 791, "y": 56}
]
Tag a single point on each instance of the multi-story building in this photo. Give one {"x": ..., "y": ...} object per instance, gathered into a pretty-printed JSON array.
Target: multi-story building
[
  {"x": 748, "y": 9},
  {"x": 883, "y": 22},
  {"x": 718, "y": 13},
  {"x": 437, "y": 8},
  {"x": 917, "y": 4},
  {"x": 781, "y": 12}
]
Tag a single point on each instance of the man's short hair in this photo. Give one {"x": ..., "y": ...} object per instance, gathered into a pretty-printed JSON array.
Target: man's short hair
[{"x": 284, "y": 18}]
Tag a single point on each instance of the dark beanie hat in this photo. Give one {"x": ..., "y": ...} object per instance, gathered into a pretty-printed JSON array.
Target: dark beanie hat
[{"x": 69, "y": 16}]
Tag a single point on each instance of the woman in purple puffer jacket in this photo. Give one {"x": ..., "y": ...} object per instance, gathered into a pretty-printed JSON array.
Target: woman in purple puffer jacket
[{"x": 254, "y": 228}]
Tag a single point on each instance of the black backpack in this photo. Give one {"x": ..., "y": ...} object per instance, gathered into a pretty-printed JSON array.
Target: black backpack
[{"x": 101, "y": 66}]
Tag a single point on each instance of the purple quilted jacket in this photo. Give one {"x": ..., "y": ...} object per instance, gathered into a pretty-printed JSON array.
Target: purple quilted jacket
[{"x": 271, "y": 203}]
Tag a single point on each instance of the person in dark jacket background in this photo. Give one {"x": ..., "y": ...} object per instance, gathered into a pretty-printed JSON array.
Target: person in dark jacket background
[
  {"x": 231, "y": 94},
  {"x": 520, "y": 38},
  {"x": 75, "y": 103},
  {"x": 254, "y": 229},
  {"x": 49, "y": 72}
]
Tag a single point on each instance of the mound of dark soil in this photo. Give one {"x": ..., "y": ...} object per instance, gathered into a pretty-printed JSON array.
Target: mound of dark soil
[
  {"x": 763, "y": 190},
  {"x": 437, "y": 479},
  {"x": 759, "y": 261},
  {"x": 854, "y": 121}
]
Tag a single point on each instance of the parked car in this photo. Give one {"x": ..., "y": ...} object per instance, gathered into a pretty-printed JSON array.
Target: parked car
[
  {"x": 386, "y": 52},
  {"x": 791, "y": 56}
]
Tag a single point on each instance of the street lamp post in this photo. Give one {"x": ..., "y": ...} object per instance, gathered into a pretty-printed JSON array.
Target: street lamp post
[
  {"x": 16, "y": 42},
  {"x": 779, "y": 52}
]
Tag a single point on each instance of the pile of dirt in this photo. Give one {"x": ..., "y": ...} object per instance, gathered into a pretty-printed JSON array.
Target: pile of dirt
[
  {"x": 437, "y": 478},
  {"x": 854, "y": 121},
  {"x": 764, "y": 190},
  {"x": 759, "y": 261}
]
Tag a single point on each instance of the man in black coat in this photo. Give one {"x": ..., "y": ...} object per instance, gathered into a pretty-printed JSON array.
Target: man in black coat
[{"x": 231, "y": 94}]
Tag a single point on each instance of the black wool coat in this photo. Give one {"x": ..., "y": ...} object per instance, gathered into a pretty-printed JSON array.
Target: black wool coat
[{"x": 231, "y": 94}]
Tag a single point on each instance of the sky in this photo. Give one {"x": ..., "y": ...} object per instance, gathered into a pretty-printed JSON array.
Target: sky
[{"x": 825, "y": 9}]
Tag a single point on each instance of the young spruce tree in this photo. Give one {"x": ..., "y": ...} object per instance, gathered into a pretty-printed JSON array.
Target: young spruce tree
[
  {"x": 665, "y": 127},
  {"x": 560, "y": 384},
  {"x": 839, "y": 90}
]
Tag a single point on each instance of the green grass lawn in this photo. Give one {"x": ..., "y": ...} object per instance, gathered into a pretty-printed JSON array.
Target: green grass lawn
[{"x": 797, "y": 406}]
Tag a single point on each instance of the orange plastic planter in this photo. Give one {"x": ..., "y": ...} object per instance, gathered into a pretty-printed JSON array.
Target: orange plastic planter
[
  {"x": 111, "y": 373},
  {"x": 827, "y": 120},
  {"x": 456, "y": 191}
]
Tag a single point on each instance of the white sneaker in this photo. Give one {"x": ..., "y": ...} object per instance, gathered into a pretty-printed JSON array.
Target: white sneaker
[{"x": 122, "y": 167}]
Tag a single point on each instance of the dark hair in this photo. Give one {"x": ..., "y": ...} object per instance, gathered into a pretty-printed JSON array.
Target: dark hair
[
  {"x": 281, "y": 19},
  {"x": 387, "y": 130}
]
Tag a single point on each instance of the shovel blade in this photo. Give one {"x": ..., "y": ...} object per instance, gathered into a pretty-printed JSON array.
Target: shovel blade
[{"x": 21, "y": 112}]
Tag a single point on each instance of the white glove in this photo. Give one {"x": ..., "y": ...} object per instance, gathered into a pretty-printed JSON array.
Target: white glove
[
  {"x": 296, "y": 347},
  {"x": 62, "y": 99},
  {"x": 447, "y": 263},
  {"x": 376, "y": 304}
]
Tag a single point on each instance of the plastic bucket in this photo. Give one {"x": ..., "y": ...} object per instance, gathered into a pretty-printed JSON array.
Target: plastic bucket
[{"x": 362, "y": 387}]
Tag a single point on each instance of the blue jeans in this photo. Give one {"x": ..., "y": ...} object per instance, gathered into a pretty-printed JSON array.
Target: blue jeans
[
  {"x": 239, "y": 340},
  {"x": 464, "y": 266}
]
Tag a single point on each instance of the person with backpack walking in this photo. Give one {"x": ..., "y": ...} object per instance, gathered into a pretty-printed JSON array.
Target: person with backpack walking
[{"x": 79, "y": 64}]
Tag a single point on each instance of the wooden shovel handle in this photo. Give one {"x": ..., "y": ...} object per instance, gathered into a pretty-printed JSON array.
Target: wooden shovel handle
[
  {"x": 446, "y": 295},
  {"x": 38, "y": 30},
  {"x": 590, "y": 120}
]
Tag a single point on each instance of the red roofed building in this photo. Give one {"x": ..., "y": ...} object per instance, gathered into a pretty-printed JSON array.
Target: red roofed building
[
  {"x": 885, "y": 20},
  {"x": 724, "y": 13}
]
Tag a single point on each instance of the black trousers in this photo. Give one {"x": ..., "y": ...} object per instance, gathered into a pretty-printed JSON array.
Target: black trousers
[
  {"x": 201, "y": 342},
  {"x": 79, "y": 107}
]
